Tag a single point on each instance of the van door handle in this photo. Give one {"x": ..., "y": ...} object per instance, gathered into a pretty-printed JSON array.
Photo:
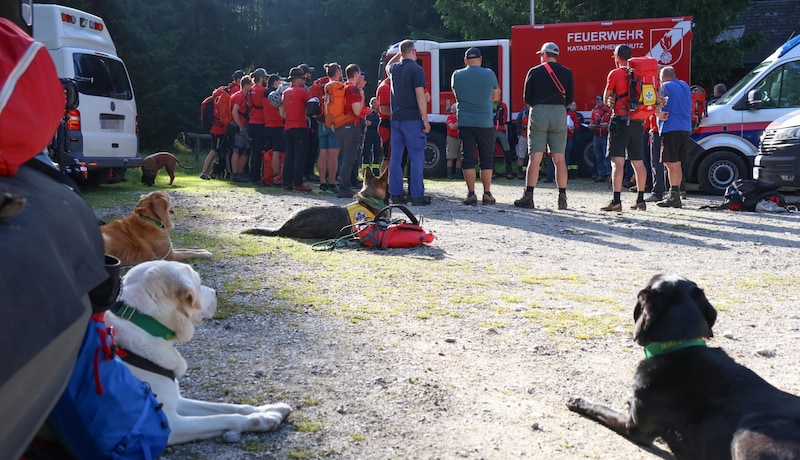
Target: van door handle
[{"x": 114, "y": 145}]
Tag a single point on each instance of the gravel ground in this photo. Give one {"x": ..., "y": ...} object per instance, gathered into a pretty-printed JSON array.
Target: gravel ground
[{"x": 467, "y": 348}]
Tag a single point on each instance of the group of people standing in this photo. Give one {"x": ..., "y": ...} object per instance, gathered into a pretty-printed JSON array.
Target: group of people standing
[{"x": 396, "y": 121}]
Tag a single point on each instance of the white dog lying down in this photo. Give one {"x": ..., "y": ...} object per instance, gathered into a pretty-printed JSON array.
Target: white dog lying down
[{"x": 162, "y": 303}]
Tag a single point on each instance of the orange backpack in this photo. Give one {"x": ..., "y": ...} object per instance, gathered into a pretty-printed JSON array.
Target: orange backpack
[
  {"x": 699, "y": 107},
  {"x": 222, "y": 106},
  {"x": 644, "y": 86},
  {"x": 334, "y": 105}
]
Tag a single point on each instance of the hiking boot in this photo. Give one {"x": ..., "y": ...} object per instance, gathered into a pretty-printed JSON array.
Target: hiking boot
[
  {"x": 673, "y": 200},
  {"x": 683, "y": 194},
  {"x": 345, "y": 193},
  {"x": 562, "y": 201},
  {"x": 204, "y": 176},
  {"x": 653, "y": 198},
  {"x": 399, "y": 199},
  {"x": 301, "y": 188},
  {"x": 488, "y": 198},
  {"x": 471, "y": 199},
  {"x": 612, "y": 206},
  {"x": 521, "y": 174},
  {"x": 639, "y": 206},
  {"x": 421, "y": 201},
  {"x": 526, "y": 201}
]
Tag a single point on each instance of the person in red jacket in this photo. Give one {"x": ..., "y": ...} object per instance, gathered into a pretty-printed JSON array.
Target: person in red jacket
[
  {"x": 241, "y": 142},
  {"x": 294, "y": 106},
  {"x": 256, "y": 99},
  {"x": 598, "y": 123},
  {"x": 384, "y": 94},
  {"x": 274, "y": 135}
]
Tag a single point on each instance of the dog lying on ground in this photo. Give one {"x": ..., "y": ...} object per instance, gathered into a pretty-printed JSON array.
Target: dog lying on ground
[
  {"x": 697, "y": 399},
  {"x": 325, "y": 222},
  {"x": 171, "y": 294},
  {"x": 152, "y": 163},
  {"x": 144, "y": 235}
]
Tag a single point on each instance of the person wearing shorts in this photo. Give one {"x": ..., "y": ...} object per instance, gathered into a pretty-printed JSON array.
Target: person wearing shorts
[
  {"x": 453, "y": 150},
  {"x": 476, "y": 88},
  {"x": 549, "y": 89},
  {"x": 675, "y": 125},
  {"x": 625, "y": 136},
  {"x": 274, "y": 136}
]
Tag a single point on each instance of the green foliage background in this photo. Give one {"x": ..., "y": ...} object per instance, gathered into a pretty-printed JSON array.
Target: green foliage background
[{"x": 177, "y": 51}]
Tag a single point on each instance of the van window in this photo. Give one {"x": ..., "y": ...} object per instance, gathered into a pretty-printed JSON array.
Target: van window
[
  {"x": 781, "y": 87},
  {"x": 101, "y": 76},
  {"x": 751, "y": 76}
]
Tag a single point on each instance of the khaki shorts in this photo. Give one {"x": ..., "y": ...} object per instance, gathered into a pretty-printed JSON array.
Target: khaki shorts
[
  {"x": 547, "y": 127},
  {"x": 454, "y": 148}
]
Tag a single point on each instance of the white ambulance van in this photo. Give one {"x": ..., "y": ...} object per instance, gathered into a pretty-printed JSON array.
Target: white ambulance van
[
  {"x": 730, "y": 133},
  {"x": 102, "y": 132}
]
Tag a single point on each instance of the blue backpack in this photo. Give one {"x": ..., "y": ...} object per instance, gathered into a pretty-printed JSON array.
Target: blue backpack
[{"x": 106, "y": 412}]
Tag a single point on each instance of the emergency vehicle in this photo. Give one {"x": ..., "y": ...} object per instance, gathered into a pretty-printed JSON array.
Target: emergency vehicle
[
  {"x": 586, "y": 48},
  {"x": 102, "y": 132}
]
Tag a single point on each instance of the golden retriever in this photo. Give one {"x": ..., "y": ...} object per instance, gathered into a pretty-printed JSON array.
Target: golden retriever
[
  {"x": 171, "y": 294},
  {"x": 144, "y": 235}
]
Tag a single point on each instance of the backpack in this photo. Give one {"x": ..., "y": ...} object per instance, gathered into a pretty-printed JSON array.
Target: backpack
[
  {"x": 643, "y": 87},
  {"x": 699, "y": 108},
  {"x": 317, "y": 90},
  {"x": 745, "y": 194},
  {"x": 106, "y": 412},
  {"x": 207, "y": 113},
  {"x": 334, "y": 105},
  {"x": 222, "y": 106},
  {"x": 313, "y": 107}
]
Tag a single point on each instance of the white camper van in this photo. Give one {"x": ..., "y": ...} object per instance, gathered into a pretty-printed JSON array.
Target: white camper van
[
  {"x": 102, "y": 132},
  {"x": 730, "y": 133}
]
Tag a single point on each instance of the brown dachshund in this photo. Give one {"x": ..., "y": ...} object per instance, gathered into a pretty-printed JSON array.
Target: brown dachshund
[{"x": 156, "y": 161}]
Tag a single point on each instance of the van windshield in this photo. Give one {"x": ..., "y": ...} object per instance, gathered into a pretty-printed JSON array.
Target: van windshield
[
  {"x": 102, "y": 76},
  {"x": 752, "y": 75}
]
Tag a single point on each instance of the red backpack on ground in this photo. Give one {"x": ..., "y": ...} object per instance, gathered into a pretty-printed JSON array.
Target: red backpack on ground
[
  {"x": 699, "y": 108},
  {"x": 644, "y": 86}
]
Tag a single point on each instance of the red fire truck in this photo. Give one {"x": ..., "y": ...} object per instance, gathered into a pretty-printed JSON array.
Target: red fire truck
[{"x": 586, "y": 48}]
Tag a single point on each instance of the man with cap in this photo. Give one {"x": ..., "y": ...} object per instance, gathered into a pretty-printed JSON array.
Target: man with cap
[
  {"x": 549, "y": 89},
  {"x": 598, "y": 123},
  {"x": 294, "y": 106},
  {"x": 409, "y": 124},
  {"x": 625, "y": 136},
  {"x": 476, "y": 89},
  {"x": 236, "y": 81},
  {"x": 313, "y": 140},
  {"x": 256, "y": 99}
]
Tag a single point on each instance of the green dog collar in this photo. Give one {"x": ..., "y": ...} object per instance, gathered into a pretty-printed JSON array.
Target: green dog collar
[
  {"x": 155, "y": 222},
  {"x": 146, "y": 322},
  {"x": 662, "y": 348}
]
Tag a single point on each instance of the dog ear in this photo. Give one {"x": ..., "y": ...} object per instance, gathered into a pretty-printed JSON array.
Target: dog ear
[
  {"x": 643, "y": 314},
  {"x": 188, "y": 293},
  {"x": 368, "y": 173},
  {"x": 705, "y": 307},
  {"x": 160, "y": 207}
]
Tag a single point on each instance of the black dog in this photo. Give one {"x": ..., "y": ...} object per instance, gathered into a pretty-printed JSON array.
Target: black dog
[{"x": 697, "y": 399}]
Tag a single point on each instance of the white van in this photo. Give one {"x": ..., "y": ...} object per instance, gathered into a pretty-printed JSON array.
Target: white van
[
  {"x": 102, "y": 132},
  {"x": 730, "y": 133}
]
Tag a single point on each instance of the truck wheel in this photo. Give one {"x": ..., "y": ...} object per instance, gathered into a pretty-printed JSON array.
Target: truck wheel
[
  {"x": 586, "y": 161},
  {"x": 718, "y": 170},
  {"x": 435, "y": 158}
]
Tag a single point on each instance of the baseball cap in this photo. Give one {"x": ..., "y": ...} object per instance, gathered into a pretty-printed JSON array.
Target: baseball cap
[
  {"x": 259, "y": 72},
  {"x": 364, "y": 77},
  {"x": 238, "y": 74},
  {"x": 623, "y": 51},
  {"x": 549, "y": 47},
  {"x": 472, "y": 53},
  {"x": 296, "y": 72},
  {"x": 306, "y": 68}
]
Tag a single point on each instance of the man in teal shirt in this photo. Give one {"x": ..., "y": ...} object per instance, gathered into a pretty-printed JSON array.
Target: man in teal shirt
[{"x": 476, "y": 89}]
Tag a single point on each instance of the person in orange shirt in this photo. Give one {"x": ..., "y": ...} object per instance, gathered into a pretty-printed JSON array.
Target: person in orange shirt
[
  {"x": 294, "y": 106},
  {"x": 256, "y": 99}
]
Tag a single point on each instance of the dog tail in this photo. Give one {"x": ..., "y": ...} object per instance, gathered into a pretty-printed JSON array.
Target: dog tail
[
  {"x": 181, "y": 165},
  {"x": 260, "y": 231}
]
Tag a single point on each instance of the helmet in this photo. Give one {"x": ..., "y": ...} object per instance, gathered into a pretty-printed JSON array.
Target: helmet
[{"x": 313, "y": 107}]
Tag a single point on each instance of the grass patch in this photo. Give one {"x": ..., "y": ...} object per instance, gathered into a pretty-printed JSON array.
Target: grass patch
[
  {"x": 358, "y": 437},
  {"x": 307, "y": 426},
  {"x": 575, "y": 323}
]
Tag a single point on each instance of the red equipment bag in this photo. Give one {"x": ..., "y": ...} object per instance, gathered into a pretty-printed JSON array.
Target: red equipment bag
[
  {"x": 644, "y": 86},
  {"x": 383, "y": 233}
]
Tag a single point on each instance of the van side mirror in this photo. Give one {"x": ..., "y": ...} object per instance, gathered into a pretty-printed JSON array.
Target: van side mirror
[{"x": 754, "y": 99}]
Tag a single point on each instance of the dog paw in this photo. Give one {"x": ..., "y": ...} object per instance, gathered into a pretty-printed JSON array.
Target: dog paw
[
  {"x": 264, "y": 421},
  {"x": 280, "y": 408},
  {"x": 577, "y": 404}
]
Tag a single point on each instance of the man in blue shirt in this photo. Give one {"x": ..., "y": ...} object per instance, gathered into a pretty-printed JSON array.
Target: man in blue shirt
[
  {"x": 675, "y": 125},
  {"x": 409, "y": 124},
  {"x": 476, "y": 89}
]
